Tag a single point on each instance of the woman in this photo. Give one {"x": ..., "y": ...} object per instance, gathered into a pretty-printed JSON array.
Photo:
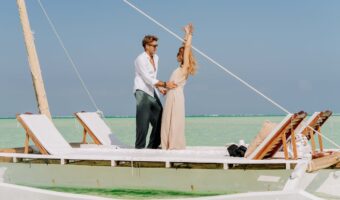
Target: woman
[{"x": 173, "y": 119}]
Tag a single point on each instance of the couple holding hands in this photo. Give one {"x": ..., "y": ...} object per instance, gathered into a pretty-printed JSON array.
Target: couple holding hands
[{"x": 168, "y": 124}]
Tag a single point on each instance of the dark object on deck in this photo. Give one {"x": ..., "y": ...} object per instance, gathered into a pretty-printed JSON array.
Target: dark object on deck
[{"x": 237, "y": 151}]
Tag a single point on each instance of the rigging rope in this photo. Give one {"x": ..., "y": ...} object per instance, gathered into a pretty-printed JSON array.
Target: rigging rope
[
  {"x": 208, "y": 58},
  {"x": 179, "y": 38},
  {"x": 69, "y": 57},
  {"x": 324, "y": 137},
  {"x": 221, "y": 67}
]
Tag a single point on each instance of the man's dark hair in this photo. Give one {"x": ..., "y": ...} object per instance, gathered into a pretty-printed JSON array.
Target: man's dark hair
[{"x": 148, "y": 39}]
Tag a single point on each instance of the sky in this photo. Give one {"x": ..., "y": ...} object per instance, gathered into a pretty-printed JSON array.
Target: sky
[{"x": 289, "y": 50}]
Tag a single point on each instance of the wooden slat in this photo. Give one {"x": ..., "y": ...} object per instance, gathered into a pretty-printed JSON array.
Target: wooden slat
[
  {"x": 311, "y": 133},
  {"x": 324, "y": 162},
  {"x": 88, "y": 130},
  {"x": 312, "y": 124},
  {"x": 27, "y": 142},
  {"x": 294, "y": 145},
  {"x": 316, "y": 124},
  {"x": 84, "y": 136},
  {"x": 284, "y": 142},
  {"x": 280, "y": 137},
  {"x": 320, "y": 140}
]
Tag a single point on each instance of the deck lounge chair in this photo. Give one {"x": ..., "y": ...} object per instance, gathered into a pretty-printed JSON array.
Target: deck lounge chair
[
  {"x": 98, "y": 130},
  {"x": 315, "y": 121},
  {"x": 101, "y": 134},
  {"x": 278, "y": 137},
  {"x": 49, "y": 140},
  {"x": 44, "y": 134}
]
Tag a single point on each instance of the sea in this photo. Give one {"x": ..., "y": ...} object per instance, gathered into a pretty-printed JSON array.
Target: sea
[{"x": 209, "y": 130}]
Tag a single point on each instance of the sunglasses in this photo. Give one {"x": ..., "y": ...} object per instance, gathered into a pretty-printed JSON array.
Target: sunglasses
[{"x": 153, "y": 45}]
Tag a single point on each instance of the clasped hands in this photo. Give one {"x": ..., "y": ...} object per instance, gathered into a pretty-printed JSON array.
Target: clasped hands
[{"x": 167, "y": 86}]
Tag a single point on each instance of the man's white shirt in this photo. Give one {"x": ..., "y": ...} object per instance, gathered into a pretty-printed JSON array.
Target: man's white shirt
[{"x": 146, "y": 74}]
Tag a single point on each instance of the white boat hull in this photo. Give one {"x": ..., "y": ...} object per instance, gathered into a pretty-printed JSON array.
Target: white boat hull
[
  {"x": 324, "y": 183},
  {"x": 215, "y": 181}
]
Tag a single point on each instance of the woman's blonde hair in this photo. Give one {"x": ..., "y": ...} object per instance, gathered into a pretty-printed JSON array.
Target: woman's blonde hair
[{"x": 192, "y": 68}]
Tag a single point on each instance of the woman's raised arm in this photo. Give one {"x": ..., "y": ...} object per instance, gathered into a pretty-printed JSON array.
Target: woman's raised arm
[{"x": 188, "y": 29}]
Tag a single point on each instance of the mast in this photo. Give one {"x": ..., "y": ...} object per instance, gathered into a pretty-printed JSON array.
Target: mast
[{"x": 33, "y": 61}]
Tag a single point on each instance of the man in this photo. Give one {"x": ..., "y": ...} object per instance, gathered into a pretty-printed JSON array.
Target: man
[{"x": 149, "y": 107}]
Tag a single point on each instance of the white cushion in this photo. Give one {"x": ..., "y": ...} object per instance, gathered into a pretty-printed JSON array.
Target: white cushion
[
  {"x": 47, "y": 134},
  {"x": 97, "y": 125}
]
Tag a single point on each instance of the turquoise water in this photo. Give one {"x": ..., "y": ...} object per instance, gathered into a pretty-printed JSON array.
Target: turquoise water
[{"x": 200, "y": 131}]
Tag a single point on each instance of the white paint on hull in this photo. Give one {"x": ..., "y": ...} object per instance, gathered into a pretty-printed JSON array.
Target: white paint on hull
[
  {"x": 275, "y": 195},
  {"x": 331, "y": 185},
  {"x": 264, "y": 178},
  {"x": 296, "y": 177},
  {"x": 2, "y": 173}
]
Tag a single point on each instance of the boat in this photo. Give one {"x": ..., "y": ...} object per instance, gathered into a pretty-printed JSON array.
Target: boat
[{"x": 200, "y": 170}]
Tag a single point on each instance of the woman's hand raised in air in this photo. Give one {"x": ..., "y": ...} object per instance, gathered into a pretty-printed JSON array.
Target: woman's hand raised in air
[{"x": 189, "y": 29}]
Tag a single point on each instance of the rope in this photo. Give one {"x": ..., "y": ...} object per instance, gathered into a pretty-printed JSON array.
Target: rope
[
  {"x": 209, "y": 58},
  {"x": 221, "y": 67},
  {"x": 324, "y": 137},
  {"x": 69, "y": 57},
  {"x": 179, "y": 38}
]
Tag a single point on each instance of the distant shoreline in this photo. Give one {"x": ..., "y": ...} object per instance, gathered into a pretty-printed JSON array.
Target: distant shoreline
[{"x": 188, "y": 116}]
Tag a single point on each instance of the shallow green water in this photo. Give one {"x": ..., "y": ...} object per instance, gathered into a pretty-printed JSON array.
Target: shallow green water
[{"x": 200, "y": 131}]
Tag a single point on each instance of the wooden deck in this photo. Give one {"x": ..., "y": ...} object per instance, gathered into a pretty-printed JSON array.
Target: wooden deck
[{"x": 191, "y": 158}]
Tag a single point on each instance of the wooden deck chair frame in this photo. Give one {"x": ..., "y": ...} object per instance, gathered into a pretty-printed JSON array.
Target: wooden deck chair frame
[
  {"x": 316, "y": 124},
  {"x": 30, "y": 135},
  {"x": 284, "y": 132},
  {"x": 87, "y": 130}
]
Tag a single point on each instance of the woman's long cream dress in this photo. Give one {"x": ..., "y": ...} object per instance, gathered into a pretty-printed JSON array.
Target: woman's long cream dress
[{"x": 173, "y": 118}]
